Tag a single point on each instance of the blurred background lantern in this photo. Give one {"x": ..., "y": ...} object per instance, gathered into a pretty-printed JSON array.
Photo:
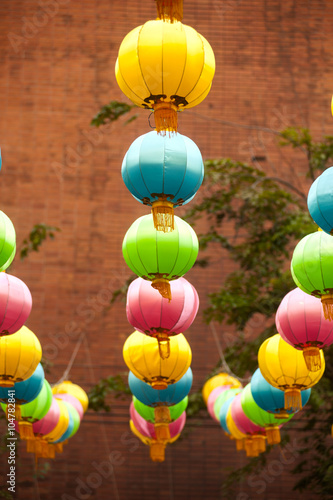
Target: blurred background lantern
[
  {"x": 255, "y": 442},
  {"x": 213, "y": 397},
  {"x": 150, "y": 313},
  {"x": 171, "y": 395},
  {"x": 7, "y": 241},
  {"x": 160, "y": 257},
  {"x": 284, "y": 367},
  {"x": 157, "y": 448},
  {"x": 33, "y": 411},
  {"x": 20, "y": 354},
  {"x": 300, "y": 322},
  {"x": 261, "y": 417},
  {"x": 15, "y": 304},
  {"x": 58, "y": 431},
  {"x": 223, "y": 420},
  {"x": 67, "y": 387},
  {"x": 165, "y": 67},
  {"x": 221, "y": 379},
  {"x": 164, "y": 172},
  {"x": 25, "y": 391},
  {"x": 222, "y": 398},
  {"x": 73, "y": 401},
  {"x": 236, "y": 433},
  {"x": 148, "y": 412},
  {"x": 142, "y": 356},
  {"x": 270, "y": 398},
  {"x": 320, "y": 200},
  {"x": 73, "y": 424},
  {"x": 311, "y": 268},
  {"x": 42, "y": 427}
]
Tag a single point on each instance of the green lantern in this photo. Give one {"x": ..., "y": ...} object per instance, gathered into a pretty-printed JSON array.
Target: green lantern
[
  {"x": 222, "y": 398},
  {"x": 157, "y": 256},
  {"x": 31, "y": 412},
  {"x": 261, "y": 417},
  {"x": 7, "y": 241},
  {"x": 312, "y": 268},
  {"x": 148, "y": 412}
]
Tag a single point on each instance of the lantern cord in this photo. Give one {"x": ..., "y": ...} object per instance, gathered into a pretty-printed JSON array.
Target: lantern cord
[
  {"x": 36, "y": 478},
  {"x": 150, "y": 125},
  {"x": 225, "y": 365},
  {"x": 72, "y": 359}
]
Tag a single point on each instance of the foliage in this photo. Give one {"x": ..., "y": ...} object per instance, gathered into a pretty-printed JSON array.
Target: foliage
[
  {"x": 112, "y": 112},
  {"x": 38, "y": 234},
  {"x": 115, "y": 385}
]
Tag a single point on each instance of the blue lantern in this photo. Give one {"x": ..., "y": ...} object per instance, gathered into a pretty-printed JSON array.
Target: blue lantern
[
  {"x": 27, "y": 390},
  {"x": 223, "y": 414},
  {"x": 270, "y": 398},
  {"x": 320, "y": 201},
  {"x": 164, "y": 172},
  {"x": 172, "y": 395}
]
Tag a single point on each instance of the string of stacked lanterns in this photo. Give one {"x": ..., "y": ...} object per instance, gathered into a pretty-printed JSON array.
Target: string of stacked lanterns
[
  {"x": 292, "y": 361},
  {"x": 45, "y": 418},
  {"x": 164, "y": 66}
]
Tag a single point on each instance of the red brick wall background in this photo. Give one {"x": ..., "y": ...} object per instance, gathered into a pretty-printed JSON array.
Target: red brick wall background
[{"x": 273, "y": 69}]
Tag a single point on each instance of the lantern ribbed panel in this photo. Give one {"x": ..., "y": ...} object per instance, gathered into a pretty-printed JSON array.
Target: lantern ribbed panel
[
  {"x": 169, "y": 166},
  {"x": 320, "y": 200},
  {"x": 284, "y": 367},
  {"x": 148, "y": 413},
  {"x": 15, "y": 303},
  {"x": 218, "y": 381},
  {"x": 27, "y": 390},
  {"x": 169, "y": 61},
  {"x": 62, "y": 424},
  {"x": 241, "y": 420},
  {"x": 49, "y": 422},
  {"x": 38, "y": 407},
  {"x": 74, "y": 390},
  {"x": 142, "y": 357},
  {"x": 256, "y": 414},
  {"x": 7, "y": 241},
  {"x": 152, "y": 254},
  {"x": 150, "y": 313},
  {"x": 232, "y": 427},
  {"x": 20, "y": 354}
]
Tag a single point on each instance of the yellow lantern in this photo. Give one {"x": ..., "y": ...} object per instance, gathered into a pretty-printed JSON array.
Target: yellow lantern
[
  {"x": 166, "y": 67},
  {"x": 20, "y": 354},
  {"x": 239, "y": 436},
  {"x": 142, "y": 356},
  {"x": 218, "y": 381},
  {"x": 284, "y": 367},
  {"x": 67, "y": 387}
]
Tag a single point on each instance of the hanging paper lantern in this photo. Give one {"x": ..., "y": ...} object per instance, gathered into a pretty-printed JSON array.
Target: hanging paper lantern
[
  {"x": 218, "y": 380},
  {"x": 73, "y": 424},
  {"x": 165, "y": 67},
  {"x": 157, "y": 448},
  {"x": 261, "y": 417},
  {"x": 300, "y": 322},
  {"x": 25, "y": 391},
  {"x": 311, "y": 268},
  {"x": 255, "y": 442},
  {"x": 7, "y": 241},
  {"x": 142, "y": 356},
  {"x": 150, "y": 313},
  {"x": 160, "y": 257},
  {"x": 148, "y": 413},
  {"x": 212, "y": 399},
  {"x": 222, "y": 398},
  {"x": 67, "y": 387},
  {"x": 163, "y": 172},
  {"x": 46, "y": 425},
  {"x": 73, "y": 401},
  {"x": 54, "y": 435},
  {"x": 223, "y": 421},
  {"x": 20, "y": 354},
  {"x": 160, "y": 431},
  {"x": 284, "y": 367},
  {"x": 270, "y": 398},
  {"x": 33, "y": 411},
  {"x": 171, "y": 395},
  {"x": 238, "y": 435},
  {"x": 170, "y": 10},
  {"x": 15, "y": 304},
  {"x": 320, "y": 200}
]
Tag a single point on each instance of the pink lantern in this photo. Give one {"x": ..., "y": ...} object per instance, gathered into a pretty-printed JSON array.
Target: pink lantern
[
  {"x": 73, "y": 401},
  {"x": 49, "y": 422},
  {"x": 255, "y": 442},
  {"x": 148, "y": 430},
  {"x": 149, "y": 313},
  {"x": 212, "y": 398},
  {"x": 300, "y": 321},
  {"x": 15, "y": 304}
]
